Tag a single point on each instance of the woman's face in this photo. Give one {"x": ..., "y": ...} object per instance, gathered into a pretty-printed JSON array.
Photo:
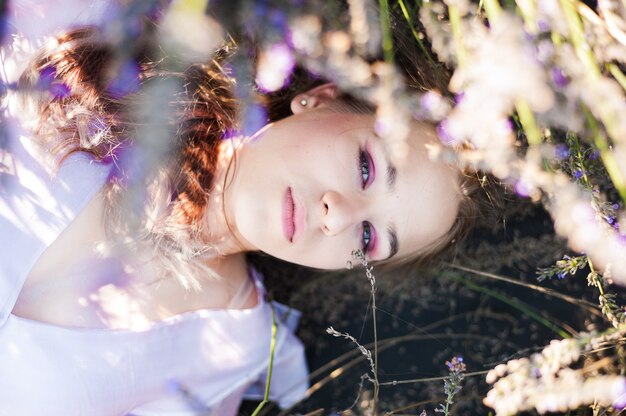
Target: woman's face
[{"x": 317, "y": 185}]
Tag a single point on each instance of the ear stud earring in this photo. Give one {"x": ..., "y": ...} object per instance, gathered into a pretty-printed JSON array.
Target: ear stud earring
[{"x": 303, "y": 102}]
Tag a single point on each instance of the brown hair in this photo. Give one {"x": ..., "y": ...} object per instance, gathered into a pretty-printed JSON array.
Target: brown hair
[{"x": 94, "y": 119}]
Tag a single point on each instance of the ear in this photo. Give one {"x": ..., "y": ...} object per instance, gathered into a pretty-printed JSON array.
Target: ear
[{"x": 314, "y": 98}]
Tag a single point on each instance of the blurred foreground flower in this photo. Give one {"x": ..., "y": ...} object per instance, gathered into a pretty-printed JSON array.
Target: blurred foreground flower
[{"x": 544, "y": 383}]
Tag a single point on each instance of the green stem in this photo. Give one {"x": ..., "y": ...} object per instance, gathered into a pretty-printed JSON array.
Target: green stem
[
  {"x": 578, "y": 37},
  {"x": 617, "y": 74},
  {"x": 416, "y": 35},
  {"x": 493, "y": 9},
  {"x": 511, "y": 302},
  {"x": 590, "y": 307},
  {"x": 457, "y": 34},
  {"x": 581, "y": 162},
  {"x": 386, "y": 31},
  {"x": 608, "y": 158},
  {"x": 266, "y": 396},
  {"x": 527, "y": 119}
]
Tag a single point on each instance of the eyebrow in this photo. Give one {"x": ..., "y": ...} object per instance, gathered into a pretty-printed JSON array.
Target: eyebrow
[
  {"x": 392, "y": 235},
  {"x": 393, "y": 241},
  {"x": 392, "y": 172},
  {"x": 391, "y": 176}
]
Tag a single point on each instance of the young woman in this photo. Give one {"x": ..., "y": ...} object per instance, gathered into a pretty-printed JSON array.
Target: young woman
[{"x": 111, "y": 308}]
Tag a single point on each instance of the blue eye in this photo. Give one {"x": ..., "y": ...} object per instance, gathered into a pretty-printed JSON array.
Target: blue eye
[
  {"x": 365, "y": 168},
  {"x": 367, "y": 238}
]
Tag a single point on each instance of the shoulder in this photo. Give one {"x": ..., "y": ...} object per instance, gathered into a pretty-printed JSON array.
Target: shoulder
[{"x": 36, "y": 206}]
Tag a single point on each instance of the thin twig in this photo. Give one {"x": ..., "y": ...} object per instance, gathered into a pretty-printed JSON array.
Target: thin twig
[{"x": 428, "y": 379}]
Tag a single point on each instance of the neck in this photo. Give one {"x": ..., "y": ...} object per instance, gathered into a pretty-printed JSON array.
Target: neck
[{"x": 220, "y": 228}]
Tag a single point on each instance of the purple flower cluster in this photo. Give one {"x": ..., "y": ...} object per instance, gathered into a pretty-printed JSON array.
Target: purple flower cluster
[
  {"x": 126, "y": 80},
  {"x": 49, "y": 82}
]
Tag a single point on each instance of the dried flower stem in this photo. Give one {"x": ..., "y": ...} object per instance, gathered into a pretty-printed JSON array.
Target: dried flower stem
[
  {"x": 428, "y": 379},
  {"x": 358, "y": 255},
  {"x": 367, "y": 353}
]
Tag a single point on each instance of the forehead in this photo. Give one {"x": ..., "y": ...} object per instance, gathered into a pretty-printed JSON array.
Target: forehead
[{"x": 425, "y": 200}]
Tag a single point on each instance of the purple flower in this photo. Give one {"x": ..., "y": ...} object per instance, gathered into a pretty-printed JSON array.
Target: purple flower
[
  {"x": 558, "y": 77},
  {"x": 562, "y": 151},
  {"x": 523, "y": 188},
  {"x": 620, "y": 401},
  {"x": 255, "y": 118},
  {"x": 381, "y": 127},
  {"x": 278, "y": 19},
  {"x": 59, "y": 90},
  {"x": 578, "y": 173},
  {"x": 444, "y": 133},
  {"x": 230, "y": 134},
  {"x": 429, "y": 100},
  {"x": 260, "y": 9},
  {"x": 274, "y": 67},
  {"x": 48, "y": 82},
  {"x": 544, "y": 51},
  {"x": 594, "y": 155},
  {"x": 543, "y": 25},
  {"x": 46, "y": 77},
  {"x": 561, "y": 275},
  {"x": 459, "y": 97},
  {"x": 126, "y": 81}
]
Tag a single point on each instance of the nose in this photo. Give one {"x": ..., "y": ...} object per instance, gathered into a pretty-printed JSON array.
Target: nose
[{"x": 338, "y": 213}]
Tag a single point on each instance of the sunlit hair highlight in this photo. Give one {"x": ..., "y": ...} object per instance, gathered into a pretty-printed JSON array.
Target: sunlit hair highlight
[{"x": 95, "y": 120}]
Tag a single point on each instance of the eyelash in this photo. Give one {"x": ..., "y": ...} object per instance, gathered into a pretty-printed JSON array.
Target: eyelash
[
  {"x": 365, "y": 165},
  {"x": 368, "y": 237},
  {"x": 366, "y": 171}
]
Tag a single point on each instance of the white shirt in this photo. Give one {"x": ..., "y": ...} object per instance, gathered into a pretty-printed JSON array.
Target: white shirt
[{"x": 193, "y": 362}]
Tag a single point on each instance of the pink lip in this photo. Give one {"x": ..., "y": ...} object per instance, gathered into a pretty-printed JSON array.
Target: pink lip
[
  {"x": 289, "y": 226},
  {"x": 293, "y": 217},
  {"x": 298, "y": 219}
]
